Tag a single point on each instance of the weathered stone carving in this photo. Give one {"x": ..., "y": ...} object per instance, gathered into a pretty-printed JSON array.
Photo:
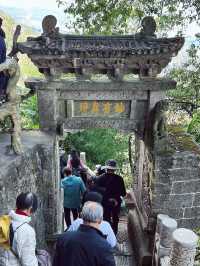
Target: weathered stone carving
[
  {"x": 49, "y": 26},
  {"x": 11, "y": 108},
  {"x": 159, "y": 120},
  {"x": 15, "y": 38},
  {"x": 148, "y": 27},
  {"x": 143, "y": 54}
]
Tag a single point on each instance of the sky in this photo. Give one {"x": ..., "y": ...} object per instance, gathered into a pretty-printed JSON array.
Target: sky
[
  {"x": 51, "y": 7},
  {"x": 33, "y": 19},
  {"x": 26, "y": 4}
]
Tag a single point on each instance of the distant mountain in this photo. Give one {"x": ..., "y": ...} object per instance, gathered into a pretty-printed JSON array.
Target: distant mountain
[
  {"x": 33, "y": 17},
  {"x": 9, "y": 25},
  {"x": 21, "y": 17}
]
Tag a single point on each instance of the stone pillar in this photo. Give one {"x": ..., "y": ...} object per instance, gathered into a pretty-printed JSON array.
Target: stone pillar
[
  {"x": 47, "y": 107},
  {"x": 183, "y": 248},
  {"x": 168, "y": 226},
  {"x": 156, "y": 249},
  {"x": 58, "y": 197},
  {"x": 160, "y": 218}
]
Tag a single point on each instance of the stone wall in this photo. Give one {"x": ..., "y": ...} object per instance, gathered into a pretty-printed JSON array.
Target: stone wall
[
  {"x": 34, "y": 170},
  {"x": 175, "y": 184}
]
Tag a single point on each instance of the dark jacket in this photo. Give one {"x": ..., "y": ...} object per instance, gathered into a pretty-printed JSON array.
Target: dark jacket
[
  {"x": 85, "y": 247},
  {"x": 112, "y": 186},
  {"x": 3, "y": 77},
  {"x": 2, "y": 50}
]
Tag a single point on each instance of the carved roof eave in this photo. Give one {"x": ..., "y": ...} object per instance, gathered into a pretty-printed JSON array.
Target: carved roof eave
[
  {"x": 91, "y": 44},
  {"x": 142, "y": 53}
]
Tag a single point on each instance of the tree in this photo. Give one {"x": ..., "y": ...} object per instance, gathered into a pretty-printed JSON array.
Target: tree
[
  {"x": 101, "y": 145},
  {"x": 29, "y": 113},
  {"x": 186, "y": 96},
  {"x": 120, "y": 16}
]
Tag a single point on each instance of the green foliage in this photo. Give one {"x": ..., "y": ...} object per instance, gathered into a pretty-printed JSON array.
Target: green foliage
[
  {"x": 29, "y": 113},
  {"x": 186, "y": 96},
  {"x": 194, "y": 126},
  {"x": 106, "y": 16},
  {"x": 101, "y": 145},
  {"x": 187, "y": 92}
]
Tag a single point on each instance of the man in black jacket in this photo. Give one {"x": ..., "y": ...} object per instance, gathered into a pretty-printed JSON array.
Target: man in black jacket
[
  {"x": 112, "y": 188},
  {"x": 87, "y": 246}
]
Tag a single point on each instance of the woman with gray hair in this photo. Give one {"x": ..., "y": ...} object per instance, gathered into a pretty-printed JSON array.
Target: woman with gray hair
[{"x": 87, "y": 246}]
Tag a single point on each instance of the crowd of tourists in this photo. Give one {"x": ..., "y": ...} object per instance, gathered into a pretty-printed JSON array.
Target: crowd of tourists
[
  {"x": 93, "y": 199},
  {"x": 93, "y": 202}
]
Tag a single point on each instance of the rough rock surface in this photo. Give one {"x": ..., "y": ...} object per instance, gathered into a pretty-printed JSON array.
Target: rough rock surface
[{"x": 31, "y": 171}]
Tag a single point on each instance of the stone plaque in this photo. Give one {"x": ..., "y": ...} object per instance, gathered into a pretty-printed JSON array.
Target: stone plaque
[{"x": 108, "y": 109}]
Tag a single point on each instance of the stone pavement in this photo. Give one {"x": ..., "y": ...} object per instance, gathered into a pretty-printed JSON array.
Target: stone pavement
[{"x": 123, "y": 255}]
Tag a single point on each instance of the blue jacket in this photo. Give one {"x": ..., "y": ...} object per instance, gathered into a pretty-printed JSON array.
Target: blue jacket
[
  {"x": 73, "y": 189},
  {"x": 85, "y": 247}
]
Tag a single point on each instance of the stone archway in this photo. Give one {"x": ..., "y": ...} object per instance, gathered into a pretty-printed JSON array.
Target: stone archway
[{"x": 134, "y": 106}]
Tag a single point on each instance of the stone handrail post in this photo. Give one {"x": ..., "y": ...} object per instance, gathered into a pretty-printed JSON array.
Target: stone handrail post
[
  {"x": 183, "y": 248},
  {"x": 160, "y": 218},
  {"x": 167, "y": 227}
]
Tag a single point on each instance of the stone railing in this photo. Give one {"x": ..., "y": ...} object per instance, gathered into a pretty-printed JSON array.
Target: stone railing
[{"x": 173, "y": 247}]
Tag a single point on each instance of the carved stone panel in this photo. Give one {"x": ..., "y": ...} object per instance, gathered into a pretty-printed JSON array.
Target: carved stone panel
[{"x": 120, "y": 124}]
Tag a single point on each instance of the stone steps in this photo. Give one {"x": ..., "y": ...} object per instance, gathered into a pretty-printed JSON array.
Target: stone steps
[{"x": 124, "y": 255}]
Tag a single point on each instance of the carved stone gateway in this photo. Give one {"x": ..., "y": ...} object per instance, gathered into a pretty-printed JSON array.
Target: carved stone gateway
[
  {"x": 89, "y": 104},
  {"x": 130, "y": 105}
]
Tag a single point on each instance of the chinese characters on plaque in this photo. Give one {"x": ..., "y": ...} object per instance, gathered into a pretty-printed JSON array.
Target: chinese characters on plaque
[{"x": 110, "y": 108}]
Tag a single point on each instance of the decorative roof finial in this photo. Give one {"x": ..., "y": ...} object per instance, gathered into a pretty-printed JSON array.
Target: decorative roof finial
[
  {"x": 148, "y": 27},
  {"x": 49, "y": 25}
]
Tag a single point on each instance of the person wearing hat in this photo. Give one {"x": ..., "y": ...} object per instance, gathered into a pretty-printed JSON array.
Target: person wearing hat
[{"x": 113, "y": 188}]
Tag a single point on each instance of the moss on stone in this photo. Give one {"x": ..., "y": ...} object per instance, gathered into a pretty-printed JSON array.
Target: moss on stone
[
  {"x": 164, "y": 148},
  {"x": 181, "y": 141}
]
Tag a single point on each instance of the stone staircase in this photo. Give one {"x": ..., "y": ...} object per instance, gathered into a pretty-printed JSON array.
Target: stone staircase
[{"x": 123, "y": 254}]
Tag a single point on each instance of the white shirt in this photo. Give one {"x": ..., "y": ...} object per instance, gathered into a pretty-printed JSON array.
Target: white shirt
[
  {"x": 104, "y": 227},
  {"x": 24, "y": 243}
]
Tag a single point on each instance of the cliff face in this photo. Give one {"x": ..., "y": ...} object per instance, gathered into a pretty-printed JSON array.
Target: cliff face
[{"x": 34, "y": 170}]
